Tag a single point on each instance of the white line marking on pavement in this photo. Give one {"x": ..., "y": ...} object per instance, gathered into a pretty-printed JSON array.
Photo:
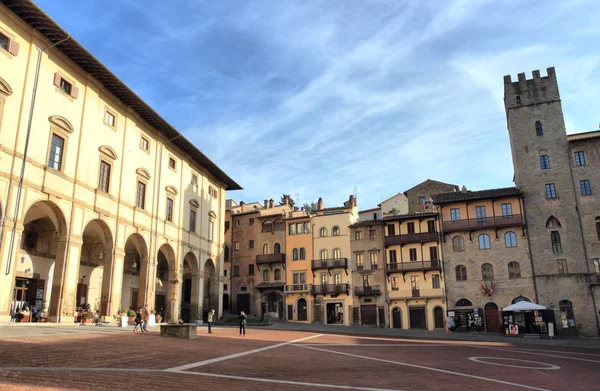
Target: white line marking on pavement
[
  {"x": 537, "y": 354},
  {"x": 369, "y": 344},
  {"x": 428, "y": 368},
  {"x": 552, "y": 351},
  {"x": 482, "y": 360},
  {"x": 236, "y": 355}
]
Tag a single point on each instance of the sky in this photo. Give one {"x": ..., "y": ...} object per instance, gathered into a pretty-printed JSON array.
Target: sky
[{"x": 327, "y": 98}]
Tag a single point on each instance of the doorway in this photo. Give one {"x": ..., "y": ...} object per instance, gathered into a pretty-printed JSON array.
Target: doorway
[
  {"x": 243, "y": 303},
  {"x": 335, "y": 313},
  {"x": 417, "y": 318},
  {"x": 302, "y": 310},
  {"x": 438, "y": 317},
  {"x": 396, "y": 318},
  {"x": 368, "y": 314},
  {"x": 492, "y": 318},
  {"x": 160, "y": 304}
]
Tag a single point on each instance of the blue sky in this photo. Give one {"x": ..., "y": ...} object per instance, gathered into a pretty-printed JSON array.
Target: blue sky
[{"x": 317, "y": 97}]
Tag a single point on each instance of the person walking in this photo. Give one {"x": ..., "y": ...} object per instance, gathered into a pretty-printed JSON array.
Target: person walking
[
  {"x": 211, "y": 315},
  {"x": 145, "y": 317},
  {"x": 138, "y": 320},
  {"x": 243, "y": 318}
]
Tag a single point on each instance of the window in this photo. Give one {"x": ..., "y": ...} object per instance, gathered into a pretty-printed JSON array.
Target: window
[
  {"x": 597, "y": 266},
  {"x": 292, "y": 229},
  {"x": 514, "y": 270},
  {"x": 237, "y": 223},
  {"x": 391, "y": 230},
  {"x": 4, "y": 41},
  {"x": 140, "y": 201},
  {"x": 211, "y": 231},
  {"x": 110, "y": 119},
  {"x": 251, "y": 269},
  {"x": 410, "y": 227},
  {"x": 562, "y": 266},
  {"x": 169, "y": 216},
  {"x": 487, "y": 272},
  {"x": 236, "y": 271},
  {"x": 556, "y": 245},
  {"x": 276, "y": 248},
  {"x": 372, "y": 234},
  {"x": 579, "y": 158},
  {"x": 224, "y": 274},
  {"x": 236, "y": 245},
  {"x": 484, "y": 242},
  {"x": 194, "y": 180},
  {"x": 299, "y": 278},
  {"x": 144, "y": 144},
  {"x": 433, "y": 253},
  {"x": 510, "y": 239},
  {"x": 422, "y": 200},
  {"x": 507, "y": 210},
  {"x": 458, "y": 244},
  {"x": 277, "y": 275},
  {"x": 455, "y": 214},
  {"x": 295, "y": 254},
  {"x": 374, "y": 260},
  {"x": 226, "y": 226},
  {"x": 431, "y": 226},
  {"x": 56, "y": 152},
  {"x": 518, "y": 99},
  {"x": 337, "y": 278},
  {"x": 598, "y": 230},
  {"x": 413, "y": 254},
  {"x": 481, "y": 216},
  {"x": 65, "y": 86},
  {"x": 251, "y": 221},
  {"x": 366, "y": 280},
  {"x": 324, "y": 279},
  {"x": 550, "y": 190},
  {"x": 265, "y": 248},
  {"x": 585, "y": 187},
  {"x": 225, "y": 287},
  {"x": 307, "y": 228},
  {"x": 357, "y": 235},
  {"x": 461, "y": 273},
  {"x": 393, "y": 256},
  {"x": 323, "y": 254},
  {"x": 394, "y": 281},
  {"x": 544, "y": 162},
  {"x": 435, "y": 281},
  {"x": 243, "y": 288},
  {"x": 266, "y": 275},
  {"x": 323, "y": 232},
  {"x": 104, "y": 181},
  {"x": 192, "y": 220},
  {"x": 251, "y": 243},
  {"x": 337, "y": 253},
  {"x": 299, "y": 227},
  {"x": 335, "y": 231},
  {"x": 359, "y": 262},
  {"x": 538, "y": 129},
  {"x": 213, "y": 192},
  {"x": 172, "y": 163}
]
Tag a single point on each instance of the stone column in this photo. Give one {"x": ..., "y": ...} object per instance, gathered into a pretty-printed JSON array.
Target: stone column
[
  {"x": 64, "y": 281},
  {"x": 147, "y": 283},
  {"x": 114, "y": 271},
  {"x": 7, "y": 280}
]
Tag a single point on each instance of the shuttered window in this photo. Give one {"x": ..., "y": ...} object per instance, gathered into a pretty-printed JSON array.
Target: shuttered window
[{"x": 104, "y": 182}]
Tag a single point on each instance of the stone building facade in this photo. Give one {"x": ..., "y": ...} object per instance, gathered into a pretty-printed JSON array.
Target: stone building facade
[
  {"x": 115, "y": 208},
  {"x": 560, "y": 212},
  {"x": 419, "y": 196}
]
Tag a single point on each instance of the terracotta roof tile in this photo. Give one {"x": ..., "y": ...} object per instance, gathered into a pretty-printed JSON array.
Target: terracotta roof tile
[
  {"x": 410, "y": 216},
  {"x": 445, "y": 198},
  {"x": 367, "y": 223}
]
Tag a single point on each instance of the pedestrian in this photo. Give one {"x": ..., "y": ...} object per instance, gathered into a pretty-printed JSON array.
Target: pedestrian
[
  {"x": 138, "y": 320},
  {"x": 243, "y": 318},
  {"x": 145, "y": 317},
  {"x": 211, "y": 314}
]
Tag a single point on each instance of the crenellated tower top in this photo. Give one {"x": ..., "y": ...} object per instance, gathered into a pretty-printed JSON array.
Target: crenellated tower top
[{"x": 524, "y": 92}]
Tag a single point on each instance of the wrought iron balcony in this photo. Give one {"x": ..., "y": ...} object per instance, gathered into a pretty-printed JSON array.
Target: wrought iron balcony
[
  {"x": 298, "y": 288},
  {"x": 366, "y": 291},
  {"x": 411, "y": 238},
  {"x": 330, "y": 289},
  {"x": 270, "y": 258},
  {"x": 413, "y": 266},
  {"x": 482, "y": 223},
  {"x": 416, "y": 294},
  {"x": 330, "y": 263}
]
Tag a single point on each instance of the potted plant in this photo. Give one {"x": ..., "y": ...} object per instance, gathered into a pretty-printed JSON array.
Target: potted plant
[
  {"x": 88, "y": 316},
  {"x": 130, "y": 316},
  {"x": 158, "y": 318}
]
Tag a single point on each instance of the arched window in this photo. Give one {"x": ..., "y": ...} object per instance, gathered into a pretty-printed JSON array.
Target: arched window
[
  {"x": 514, "y": 270},
  {"x": 464, "y": 303},
  {"x": 299, "y": 228},
  {"x": 295, "y": 254},
  {"x": 267, "y": 226},
  {"x": 552, "y": 222},
  {"x": 461, "y": 273},
  {"x": 484, "y": 242},
  {"x": 487, "y": 272},
  {"x": 510, "y": 239},
  {"x": 323, "y": 232},
  {"x": 335, "y": 231},
  {"x": 266, "y": 275},
  {"x": 277, "y": 275},
  {"x": 276, "y": 248},
  {"x": 598, "y": 229},
  {"x": 302, "y": 253},
  {"x": 337, "y": 253},
  {"x": 519, "y": 299},
  {"x": 323, "y": 254},
  {"x": 278, "y": 225},
  {"x": 458, "y": 244},
  {"x": 265, "y": 248},
  {"x": 539, "y": 131}
]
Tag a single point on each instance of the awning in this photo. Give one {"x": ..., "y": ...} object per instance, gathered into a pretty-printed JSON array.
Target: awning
[{"x": 524, "y": 306}]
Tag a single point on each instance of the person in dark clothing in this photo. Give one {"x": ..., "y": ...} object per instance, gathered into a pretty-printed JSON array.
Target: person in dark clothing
[
  {"x": 138, "y": 321},
  {"x": 243, "y": 318}
]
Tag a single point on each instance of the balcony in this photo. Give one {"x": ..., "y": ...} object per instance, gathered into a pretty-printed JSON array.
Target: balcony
[
  {"x": 330, "y": 289},
  {"x": 298, "y": 288},
  {"x": 416, "y": 294},
  {"x": 411, "y": 238},
  {"x": 413, "y": 266},
  {"x": 270, "y": 259},
  {"x": 482, "y": 223},
  {"x": 366, "y": 291},
  {"x": 330, "y": 263}
]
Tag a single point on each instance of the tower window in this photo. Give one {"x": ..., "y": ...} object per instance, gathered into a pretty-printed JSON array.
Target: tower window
[
  {"x": 544, "y": 162},
  {"x": 518, "y": 99},
  {"x": 539, "y": 131},
  {"x": 585, "y": 187},
  {"x": 556, "y": 244},
  {"x": 550, "y": 190},
  {"x": 579, "y": 158}
]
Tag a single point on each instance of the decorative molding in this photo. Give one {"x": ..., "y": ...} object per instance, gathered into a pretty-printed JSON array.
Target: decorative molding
[
  {"x": 212, "y": 214},
  {"x": 195, "y": 203},
  {"x": 171, "y": 189},
  {"x": 5, "y": 87},
  {"x": 108, "y": 151},
  {"x": 143, "y": 173},
  {"x": 61, "y": 122}
]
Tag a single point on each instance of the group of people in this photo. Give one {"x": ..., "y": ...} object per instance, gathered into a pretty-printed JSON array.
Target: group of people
[
  {"x": 242, "y": 318},
  {"x": 141, "y": 319}
]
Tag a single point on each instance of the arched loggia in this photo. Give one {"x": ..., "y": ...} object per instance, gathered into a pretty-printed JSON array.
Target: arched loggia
[
  {"x": 135, "y": 273},
  {"x": 190, "y": 289},
  {"x": 166, "y": 284}
]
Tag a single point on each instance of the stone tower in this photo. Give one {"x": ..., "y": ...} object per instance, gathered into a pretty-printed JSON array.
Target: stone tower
[{"x": 541, "y": 157}]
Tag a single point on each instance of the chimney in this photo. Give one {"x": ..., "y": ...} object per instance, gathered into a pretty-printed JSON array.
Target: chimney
[
  {"x": 242, "y": 205},
  {"x": 352, "y": 200},
  {"x": 266, "y": 204},
  {"x": 320, "y": 204},
  {"x": 295, "y": 209},
  {"x": 286, "y": 200},
  {"x": 302, "y": 209},
  {"x": 271, "y": 203},
  {"x": 464, "y": 189}
]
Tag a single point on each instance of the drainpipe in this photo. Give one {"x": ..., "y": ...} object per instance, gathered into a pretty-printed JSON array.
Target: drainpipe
[
  {"x": 524, "y": 215},
  {"x": 230, "y": 287},
  {"x": 24, "y": 163}
]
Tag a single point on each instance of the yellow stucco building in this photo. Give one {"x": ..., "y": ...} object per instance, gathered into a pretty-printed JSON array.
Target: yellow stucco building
[
  {"x": 299, "y": 277},
  {"x": 115, "y": 208}
]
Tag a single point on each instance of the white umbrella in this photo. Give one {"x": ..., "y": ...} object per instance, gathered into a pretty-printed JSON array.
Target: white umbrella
[{"x": 524, "y": 306}]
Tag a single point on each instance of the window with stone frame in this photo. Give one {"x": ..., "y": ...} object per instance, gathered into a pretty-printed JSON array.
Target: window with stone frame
[
  {"x": 597, "y": 266},
  {"x": 598, "y": 229},
  {"x": 579, "y": 158},
  {"x": 539, "y": 131},
  {"x": 357, "y": 235},
  {"x": 484, "y": 242},
  {"x": 277, "y": 275},
  {"x": 435, "y": 281},
  {"x": 295, "y": 254},
  {"x": 487, "y": 272},
  {"x": 550, "y": 191},
  {"x": 544, "y": 162},
  {"x": 359, "y": 262},
  {"x": 395, "y": 283},
  {"x": 251, "y": 243},
  {"x": 585, "y": 187},
  {"x": 514, "y": 270},
  {"x": 374, "y": 260},
  {"x": 555, "y": 240},
  {"x": 169, "y": 214},
  {"x": 266, "y": 275},
  {"x": 236, "y": 245},
  {"x": 510, "y": 239},
  {"x": 461, "y": 273},
  {"x": 250, "y": 270},
  {"x": 372, "y": 234},
  {"x": 192, "y": 220},
  {"x": 458, "y": 244},
  {"x": 302, "y": 253}
]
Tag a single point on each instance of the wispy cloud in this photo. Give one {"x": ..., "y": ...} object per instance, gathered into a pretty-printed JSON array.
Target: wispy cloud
[{"x": 318, "y": 97}]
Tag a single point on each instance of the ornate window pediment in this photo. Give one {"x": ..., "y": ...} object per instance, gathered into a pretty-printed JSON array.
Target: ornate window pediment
[
  {"x": 143, "y": 173},
  {"x": 171, "y": 189},
  {"x": 212, "y": 214},
  {"x": 61, "y": 122},
  {"x": 108, "y": 151},
  {"x": 195, "y": 203},
  {"x": 5, "y": 87}
]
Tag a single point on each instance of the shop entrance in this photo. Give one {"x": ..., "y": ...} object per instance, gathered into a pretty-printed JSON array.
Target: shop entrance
[
  {"x": 368, "y": 315},
  {"x": 438, "y": 315},
  {"x": 492, "y": 318},
  {"x": 302, "y": 310},
  {"x": 417, "y": 318},
  {"x": 335, "y": 313},
  {"x": 396, "y": 318}
]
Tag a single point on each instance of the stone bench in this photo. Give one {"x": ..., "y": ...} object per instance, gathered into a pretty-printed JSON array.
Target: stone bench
[{"x": 185, "y": 331}]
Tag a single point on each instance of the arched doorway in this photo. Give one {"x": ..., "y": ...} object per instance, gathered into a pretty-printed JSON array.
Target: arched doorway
[
  {"x": 40, "y": 266},
  {"x": 396, "y": 318},
  {"x": 520, "y": 298},
  {"x": 302, "y": 309},
  {"x": 95, "y": 268},
  {"x": 464, "y": 303},
  {"x": 165, "y": 291},
  {"x": 272, "y": 305},
  {"x": 211, "y": 289},
  {"x": 438, "y": 317},
  {"x": 190, "y": 289},
  {"x": 135, "y": 273},
  {"x": 567, "y": 317},
  {"x": 492, "y": 318}
]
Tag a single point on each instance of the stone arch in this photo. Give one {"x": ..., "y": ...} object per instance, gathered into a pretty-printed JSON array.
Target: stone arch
[
  {"x": 520, "y": 298},
  {"x": 464, "y": 303},
  {"x": 167, "y": 282},
  {"x": 190, "y": 289},
  {"x": 62, "y": 123},
  {"x": 135, "y": 273},
  {"x": 553, "y": 222},
  {"x": 5, "y": 87}
]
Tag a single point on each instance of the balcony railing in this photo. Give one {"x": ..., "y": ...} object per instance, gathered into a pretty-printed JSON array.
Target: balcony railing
[
  {"x": 482, "y": 223},
  {"x": 412, "y": 266},
  {"x": 367, "y": 291},
  {"x": 416, "y": 293},
  {"x": 411, "y": 238},
  {"x": 330, "y": 263},
  {"x": 330, "y": 289},
  {"x": 298, "y": 288},
  {"x": 270, "y": 258}
]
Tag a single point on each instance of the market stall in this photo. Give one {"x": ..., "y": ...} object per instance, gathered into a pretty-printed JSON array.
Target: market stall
[{"x": 525, "y": 317}]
